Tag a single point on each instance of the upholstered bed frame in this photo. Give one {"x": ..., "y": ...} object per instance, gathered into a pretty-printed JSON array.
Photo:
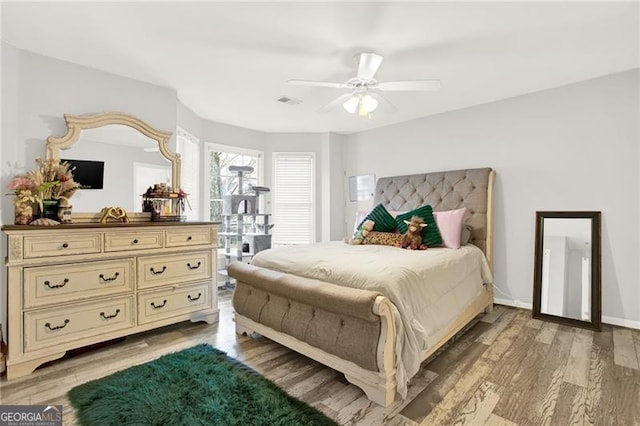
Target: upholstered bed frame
[{"x": 352, "y": 330}]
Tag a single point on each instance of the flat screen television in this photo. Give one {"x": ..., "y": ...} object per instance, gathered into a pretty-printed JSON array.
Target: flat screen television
[{"x": 88, "y": 174}]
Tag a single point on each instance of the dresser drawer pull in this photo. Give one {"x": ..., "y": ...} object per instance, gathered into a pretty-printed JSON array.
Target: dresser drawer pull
[
  {"x": 193, "y": 267},
  {"x": 109, "y": 316},
  {"x": 193, "y": 299},
  {"x": 164, "y": 302},
  {"x": 64, "y": 282},
  {"x": 135, "y": 241},
  {"x": 154, "y": 272},
  {"x": 110, "y": 278},
  {"x": 65, "y": 245},
  {"x": 189, "y": 238},
  {"x": 48, "y": 325}
]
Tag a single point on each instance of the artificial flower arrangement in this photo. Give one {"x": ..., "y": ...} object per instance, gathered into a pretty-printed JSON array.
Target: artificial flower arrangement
[{"x": 51, "y": 180}]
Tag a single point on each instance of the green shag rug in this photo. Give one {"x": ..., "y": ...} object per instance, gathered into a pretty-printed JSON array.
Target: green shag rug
[{"x": 197, "y": 386}]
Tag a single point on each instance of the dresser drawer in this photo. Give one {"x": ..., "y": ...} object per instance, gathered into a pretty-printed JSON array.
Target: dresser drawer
[
  {"x": 190, "y": 236},
  {"x": 46, "y": 285},
  {"x": 165, "y": 303},
  {"x": 61, "y": 245},
  {"x": 124, "y": 241},
  {"x": 50, "y": 327},
  {"x": 156, "y": 271}
]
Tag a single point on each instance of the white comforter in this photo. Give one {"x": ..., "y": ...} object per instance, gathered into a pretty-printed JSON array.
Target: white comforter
[{"x": 428, "y": 288}]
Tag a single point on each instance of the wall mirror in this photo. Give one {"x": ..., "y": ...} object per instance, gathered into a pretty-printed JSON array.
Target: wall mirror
[
  {"x": 567, "y": 275},
  {"x": 117, "y": 157}
]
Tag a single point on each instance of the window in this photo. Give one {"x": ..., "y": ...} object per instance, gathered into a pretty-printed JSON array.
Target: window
[
  {"x": 189, "y": 150},
  {"x": 221, "y": 181},
  {"x": 293, "y": 198}
]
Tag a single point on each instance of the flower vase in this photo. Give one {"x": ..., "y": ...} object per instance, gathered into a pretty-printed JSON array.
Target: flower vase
[
  {"x": 23, "y": 213},
  {"x": 49, "y": 209}
]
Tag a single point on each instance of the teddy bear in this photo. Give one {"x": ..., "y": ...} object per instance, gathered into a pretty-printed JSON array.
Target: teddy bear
[
  {"x": 412, "y": 239},
  {"x": 362, "y": 232}
]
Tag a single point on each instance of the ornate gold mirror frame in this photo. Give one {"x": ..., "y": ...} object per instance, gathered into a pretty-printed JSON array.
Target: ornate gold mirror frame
[{"x": 77, "y": 123}]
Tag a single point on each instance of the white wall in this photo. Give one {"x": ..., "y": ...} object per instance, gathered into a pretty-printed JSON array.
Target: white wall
[{"x": 592, "y": 130}]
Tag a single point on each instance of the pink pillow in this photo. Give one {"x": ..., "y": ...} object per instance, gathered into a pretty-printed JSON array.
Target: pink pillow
[{"x": 450, "y": 225}]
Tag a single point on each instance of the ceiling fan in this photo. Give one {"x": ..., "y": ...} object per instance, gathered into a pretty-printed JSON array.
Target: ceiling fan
[{"x": 363, "y": 98}]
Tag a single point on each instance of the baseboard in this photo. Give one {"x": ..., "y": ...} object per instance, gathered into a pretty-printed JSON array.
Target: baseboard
[
  {"x": 514, "y": 303},
  {"x": 605, "y": 319},
  {"x": 621, "y": 322}
]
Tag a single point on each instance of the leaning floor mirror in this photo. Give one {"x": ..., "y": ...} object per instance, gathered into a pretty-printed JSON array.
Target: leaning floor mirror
[{"x": 566, "y": 287}]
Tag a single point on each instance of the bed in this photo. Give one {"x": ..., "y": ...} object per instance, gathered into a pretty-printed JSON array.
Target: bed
[{"x": 373, "y": 312}]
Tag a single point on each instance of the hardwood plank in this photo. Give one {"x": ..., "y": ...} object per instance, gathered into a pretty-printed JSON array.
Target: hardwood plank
[
  {"x": 492, "y": 316},
  {"x": 546, "y": 408},
  {"x": 535, "y": 323},
  {"x": 564, "y": 407},
  {"x": 547, "y": 333},
  {"x": 604, "y": 411},
  {"x": 503, "y": 342},
  {"x": 624, "y": 351},
  {"x": 447, "y": 409},
  {"x": 342, "y": 398},
  {"x": 442, "y": 360},
  {"x": 577, "y": 371},
  {"x": 540, "y": 397},
  {"x": 381, "y": 415},
  {"x": 503, "y": 322},
  {"x": 450, "y": 405},
  {"x": 479, "y": 407},
  {"x": 499, "y": 421},
  {"x": 578, "y": 408},
  {"x": 627, "y": 394},
  {"x": 354, "y": 411},
  {"x": 594, "y": 389},
  {"x": 433, "y": 394},
  {"x": 401, "y": 420},
  {"x": 518, "y": 373}
]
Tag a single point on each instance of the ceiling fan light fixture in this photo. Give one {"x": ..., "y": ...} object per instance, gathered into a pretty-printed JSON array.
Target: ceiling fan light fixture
[
  {"x": 367, "y": 105},
  {"x": 361, "y": 104},
  {"x": 351, "y": 104}
]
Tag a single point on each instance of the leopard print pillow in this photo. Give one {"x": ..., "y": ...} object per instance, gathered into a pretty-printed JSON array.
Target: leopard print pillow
[{"x": 383, "y": 239}]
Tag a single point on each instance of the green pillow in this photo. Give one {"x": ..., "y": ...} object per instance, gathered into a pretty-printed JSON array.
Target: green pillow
[
  {"x": 430, "y": 234},
  {"x": 384, "y": 222}
]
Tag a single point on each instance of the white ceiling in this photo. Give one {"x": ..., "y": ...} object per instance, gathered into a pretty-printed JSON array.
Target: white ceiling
[{"x": 229, "y": 62}]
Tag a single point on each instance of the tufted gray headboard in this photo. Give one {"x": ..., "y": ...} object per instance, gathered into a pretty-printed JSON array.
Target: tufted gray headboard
[{"x": 471, "y": 188}]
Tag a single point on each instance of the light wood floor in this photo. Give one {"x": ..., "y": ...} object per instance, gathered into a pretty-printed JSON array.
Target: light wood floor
[{"x": 505, "y": 369}]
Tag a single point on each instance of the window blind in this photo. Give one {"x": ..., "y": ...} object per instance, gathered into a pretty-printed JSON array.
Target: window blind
[{"x": 293, "y": 198}]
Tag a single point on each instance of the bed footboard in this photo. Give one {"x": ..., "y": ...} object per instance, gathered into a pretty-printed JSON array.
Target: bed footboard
[{"x": 350, "y": 330}]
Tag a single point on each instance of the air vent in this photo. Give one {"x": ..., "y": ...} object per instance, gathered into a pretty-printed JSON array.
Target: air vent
[{"x": 289, "y": 101}]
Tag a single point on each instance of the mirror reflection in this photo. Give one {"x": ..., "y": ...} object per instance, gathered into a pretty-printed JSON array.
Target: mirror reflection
[
  {"x": 567, "y": 268},
  {"x": 126, "y": 162}
]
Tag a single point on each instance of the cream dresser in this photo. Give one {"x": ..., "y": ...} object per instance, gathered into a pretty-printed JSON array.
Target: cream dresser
[{"x": 75, "y": 285}]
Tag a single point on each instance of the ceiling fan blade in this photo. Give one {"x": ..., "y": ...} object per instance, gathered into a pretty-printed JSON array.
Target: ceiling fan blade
[
  {"x": 384, "y": 104},
  {"x": 400, "y": 86},
  {"x": 368, "y": 66},
  {"x": 336, "y": 102},
  {"x": 318, "y": 84}
]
